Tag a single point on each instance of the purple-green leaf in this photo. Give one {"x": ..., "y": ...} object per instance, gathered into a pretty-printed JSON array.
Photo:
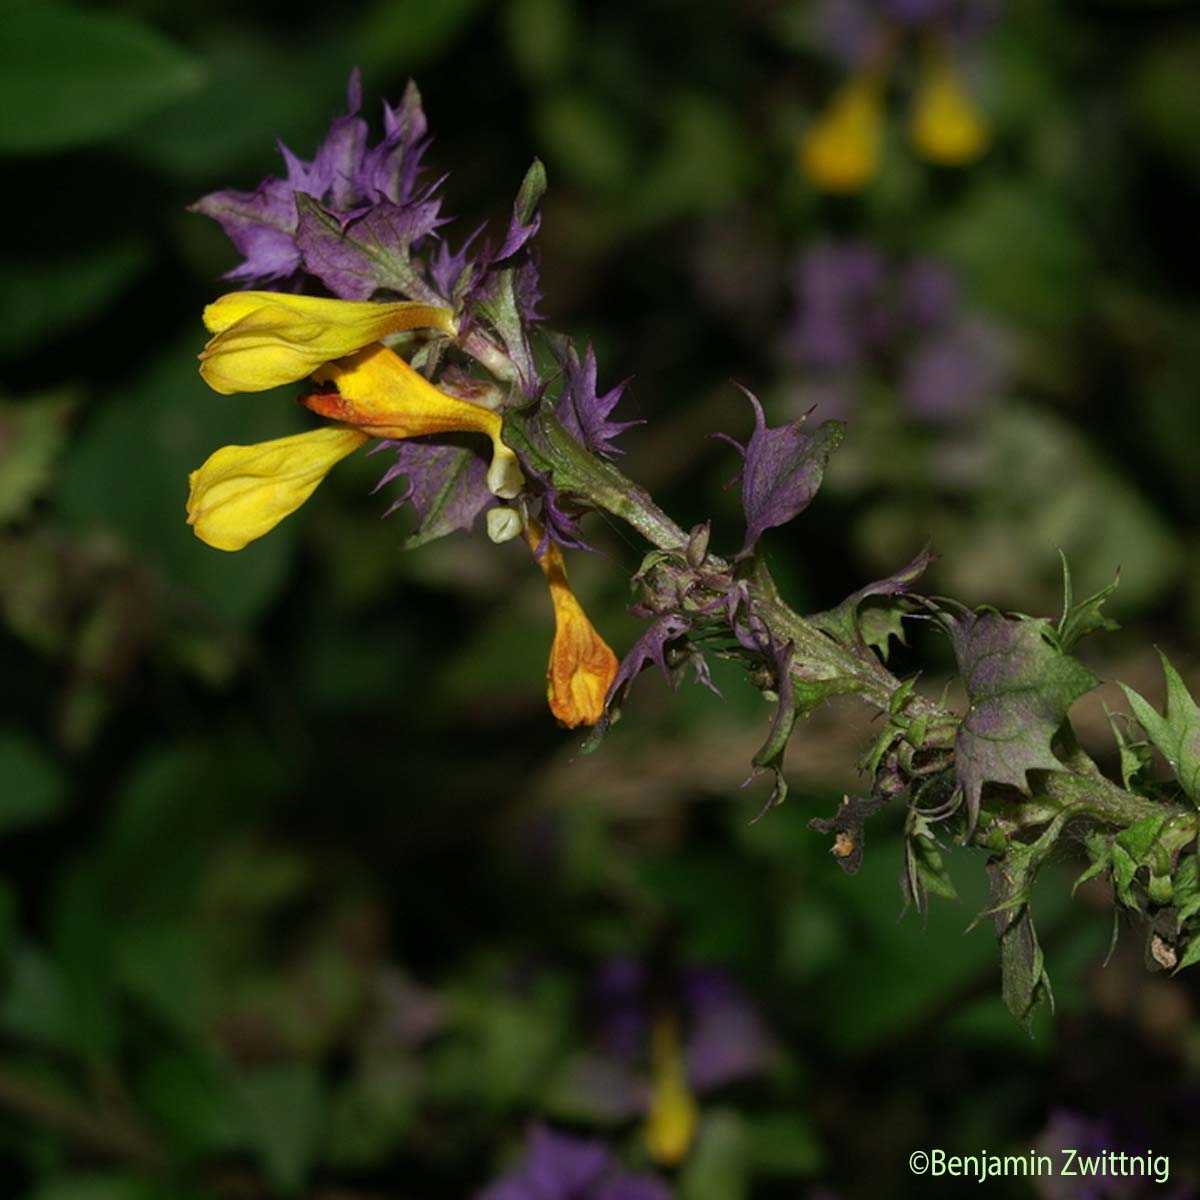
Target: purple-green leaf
[
  {"x": 446, "y": 485},
  {"x": 846, "y": 624},
  {"x": 1019, "y": 687},
  {"x": 782, "y": 469}
]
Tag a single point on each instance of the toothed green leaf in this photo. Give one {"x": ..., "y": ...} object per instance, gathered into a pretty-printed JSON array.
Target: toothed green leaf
[
  {"x": 1078, "y": 620},
  {"x": 1176, "y": 734},
  {"x": 1019, "y": 687}
]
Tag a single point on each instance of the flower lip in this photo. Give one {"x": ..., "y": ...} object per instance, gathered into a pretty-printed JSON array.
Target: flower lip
[
  {"x": 264, "y": 339},
  {"x": 240, "y": 493}
]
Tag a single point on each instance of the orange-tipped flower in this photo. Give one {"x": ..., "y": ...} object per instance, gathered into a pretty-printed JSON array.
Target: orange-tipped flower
[
  {"x": 379, "y": 393},
  {"x": 582, "y": 666}
]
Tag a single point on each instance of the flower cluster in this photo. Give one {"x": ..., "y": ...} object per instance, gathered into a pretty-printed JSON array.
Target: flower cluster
[
  {"x": 401, "y": 341},
  {"x": 429, "y": 352},
  {"x": 841, "y": 150}
]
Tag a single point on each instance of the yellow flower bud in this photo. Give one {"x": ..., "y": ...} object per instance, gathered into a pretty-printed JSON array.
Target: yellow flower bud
[
  {"x": 945, "y": 126},
  {"x": 840, "y": 152},
  {"x": 379, "y": 393},
  {"x": 673, "y": 1116},
  {"x": 582, "y": 666},
  {"x": 264, "y": 339},
  {"x": 242, "y": 492}
]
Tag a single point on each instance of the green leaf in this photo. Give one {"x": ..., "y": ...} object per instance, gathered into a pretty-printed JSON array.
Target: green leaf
[
  {"x": 854, "y": 625},
  {"x": 1099, "y": 849},
  {"x": 71, "y": 76},
  {"x": 783, "y": 1143},
  {"x": 540, "y": 34},
  {"x": 505, "y": 1046},
  {"x": 585, "y": 140},
  {"x": 1021, "y": 250},
  {"x": 1176, "y": 734},
  {"x": 1124, "y": 869},
  {"x": 1165, "y": 90},
  {"x": 531, "y": 192},
  {"x": 373, "y": 1111},
  {"x": 880, "y": 622},
  {"x": 1019, "y": 687},
  {"x": 1078, "y": 620},
  {"x": 1186, "y": 888},
  {"x": 702, "y": 164},
  {"x": 282, "y": 1107},
  {"x": 1191, "y": 954},
  {"x": 718, "y": 1167},
  {"x": 31, "y": 783},
  {"x": 1025, "y": 986},
  {"x": 192, "y": 1096},
  {"x": 402, "y": 34},
  {"x": 34, "y": 1004},
  {"x": 32, "y": 433},
  {"x": 1139, "y": 839},
  {"x": 43, "y": 300},
  {"x": 84, "y": 941},
  {"x": 234, "y": 118},
  {"x": 925, "y": 872},
  {"x": 118, "y": 1185},
  {"x": 1135, "y": 756}
]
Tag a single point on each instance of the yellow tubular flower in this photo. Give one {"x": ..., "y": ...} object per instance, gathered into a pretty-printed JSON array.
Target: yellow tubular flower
[
  {"x": 945, "y": 126},
  {"x": 264, "y": 339},
  {"x": 673, "y": 1116},
  {"x": 379, "y": 393},
  {"x": 582, "y": 667},
  {"x": 840, "y": 152},
  {"x": 242, "y": 492}
]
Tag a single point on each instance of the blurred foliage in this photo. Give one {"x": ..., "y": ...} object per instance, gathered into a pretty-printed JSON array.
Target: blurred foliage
[{"x": 301, "y": 894}]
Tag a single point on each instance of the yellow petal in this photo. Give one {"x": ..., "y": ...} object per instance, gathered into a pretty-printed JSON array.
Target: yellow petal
[
  {"x": 264, "y": 339},
  {"x": 582, "y": 666},
  {"x": 945, "y": 127},
  {"x": 840, "y": 152},
  {"x": 378, "y": 392},
  {"x": 242, "y": 492},
  {"x": 673, "y": 1116}
]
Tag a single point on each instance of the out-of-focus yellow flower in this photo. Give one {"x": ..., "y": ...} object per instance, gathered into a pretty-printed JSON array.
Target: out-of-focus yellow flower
[
  {"x": 671, "y": 1122},
  {"x": 582, "y": 666},
  {"x": 242, "y": 492},
  {"x": 945, "y": 126},
  {"x": 264, "y": 339},
  {"x": 840, "y": 152},
  {"x": 379, "y": 393}
]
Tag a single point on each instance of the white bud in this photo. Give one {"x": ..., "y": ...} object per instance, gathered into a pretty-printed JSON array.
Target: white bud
[
  {"x": 504, "y": 477},
  {"x": 503, "y": 523}
]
